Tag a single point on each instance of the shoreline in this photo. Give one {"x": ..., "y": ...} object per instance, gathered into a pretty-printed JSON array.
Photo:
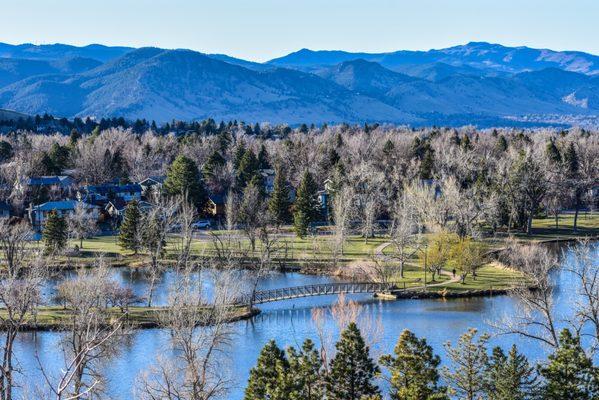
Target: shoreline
[{"x": 134, "y": 323}]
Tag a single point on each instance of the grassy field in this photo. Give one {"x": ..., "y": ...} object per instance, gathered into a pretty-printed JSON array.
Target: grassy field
[
  {"x": 317, "y": 250},
  {"x": 58, "y": 317}
]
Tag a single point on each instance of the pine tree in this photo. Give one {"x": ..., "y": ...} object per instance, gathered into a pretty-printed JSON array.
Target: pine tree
[
  {"x": 248, "y": 168},
  {"x": 469, "y": 363},
  {"x": 279, "y": 203},
  {"x": 263, "y": 158},
  {"x": 214, "y": 162},
  {"x": 305, "y": 371},
  {"x": 414, "y": 373},
  {"x": 269, "y": 379},
  {"x": 352, "y": 371},
  {"x": 55, "y": 233},
  {"x": 130, "y": 233},
  {"x": 238, "y": 154},
  {"x": 306, "y": 205},
  {"x": 569, "y": 374},
  {"x": 510, "y": 377},
  {"x": 6, "y": 150},
  {"x": 502, "y": 144},
  {"x": 571, "y": 159},
  {"x": 183, "y": 179},
  {"x": 552, "y": 152},
  {"x": 427, "y": 164}
]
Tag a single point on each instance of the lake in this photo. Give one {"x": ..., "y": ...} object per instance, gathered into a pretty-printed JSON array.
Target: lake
[{"x": 290, "y": 322}]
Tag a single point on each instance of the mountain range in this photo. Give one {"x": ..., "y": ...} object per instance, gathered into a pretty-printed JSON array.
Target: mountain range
[{"x": 472, "y": 83}]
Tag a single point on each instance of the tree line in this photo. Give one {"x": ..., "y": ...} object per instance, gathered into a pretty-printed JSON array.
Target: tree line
[
  {"x": 414, "y": 372},
  {"x": 499, "y": 179}
]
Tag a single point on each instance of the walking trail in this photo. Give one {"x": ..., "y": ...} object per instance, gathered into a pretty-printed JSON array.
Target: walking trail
[{"x": 379, "y": 251}]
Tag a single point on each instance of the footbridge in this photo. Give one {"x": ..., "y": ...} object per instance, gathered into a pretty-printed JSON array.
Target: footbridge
[{"x": 271, "y": 295}]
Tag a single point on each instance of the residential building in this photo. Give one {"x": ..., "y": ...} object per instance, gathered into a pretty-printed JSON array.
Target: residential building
[
  {"x": 152, "y": 185},
  {"x": 102, "y": 194},
  {"x": 39, "y": 214}
]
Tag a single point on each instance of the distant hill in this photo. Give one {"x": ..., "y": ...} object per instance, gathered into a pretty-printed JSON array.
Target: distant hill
[
  {"x": 473, "y": 82},
  {"x": 7, "y": 115},
  {"x": 479, "y": 55},
  {"x": 165, "y": 84},
  {"x": 59, "y": 51}
]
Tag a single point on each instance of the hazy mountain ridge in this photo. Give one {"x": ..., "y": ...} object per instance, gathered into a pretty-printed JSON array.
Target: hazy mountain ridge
[
  {"x": 479, "y": 55},
  {"x": 401, "y": 87}
]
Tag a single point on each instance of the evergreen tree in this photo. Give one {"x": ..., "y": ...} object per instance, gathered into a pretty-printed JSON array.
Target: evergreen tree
[
  {"x": 501, "y": 145},
  {"x": 279, "y": 204},
  {"x": 306, "y": 207},
  {"x": 388, "y": 148},
  {"x": 238, "y": 154},
  {"x": 269, "y": 379},
  {"x": 510, "y": 377},
  {"x": 552, "y": 152},
  {"x": 466, "y": 145},
  {"x": 414, "y": 373},
  {"x": 305, "y": 371},
  {"x": 571, "y": 159},
  {"x": 569, "y": 374},
  {"x": 469, "y": 362},
  {"x": 130, "y": 233},
  {"x": 59, "y": 157},
  {"x": 224, "y": 140},
  {"x": 352, "y": 371},
  {"x": 248, "y": 168},
  {"x": 6, "y": 151},
  {"x": 183, "y": 178},
  {"x": 263, "y": 162},
  {"x": 55, "y": 233},
  {"x": 214, "y": 162},
  {"x": 74, "y": 137},
  {"x": 152, "y": 235},
  {"x": 427, "y": 164}
]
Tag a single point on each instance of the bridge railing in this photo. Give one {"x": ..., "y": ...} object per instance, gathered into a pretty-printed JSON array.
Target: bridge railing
[{"x": 265, "y": 296}]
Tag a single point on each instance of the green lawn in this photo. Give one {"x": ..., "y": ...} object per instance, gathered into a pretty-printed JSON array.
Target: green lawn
[{"x": 54, "y": 317}]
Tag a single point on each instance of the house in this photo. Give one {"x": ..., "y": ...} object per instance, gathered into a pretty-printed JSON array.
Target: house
[
  {"x": 152, "y": 185},
  {"x": 216, "y": 205},
  {"x": 39, "y": 214},
  {"x": 102, "y": 194},
  {"x": 57, "y": 181},
  {"x": 268, "y": 177},
  {"x": 116, "y": 208},
  {"x": 4, "y": 209},
  {"x": 44, "y": 187}
]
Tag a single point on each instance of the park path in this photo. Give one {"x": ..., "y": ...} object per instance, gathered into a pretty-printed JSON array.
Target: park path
[{"x": 379, "y": 252}]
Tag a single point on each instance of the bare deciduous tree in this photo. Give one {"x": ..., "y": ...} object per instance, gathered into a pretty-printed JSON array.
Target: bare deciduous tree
[
  {"x": 82, "y": 224},
  {"x": 199, "y": 333},
  {"x": 404, "y": 233},
  {"x": 535, "y": 319},
  {"x": 343, "y": 210},
  {"x": 90, "y": 335},
  {"x": 20, "y": 284}
]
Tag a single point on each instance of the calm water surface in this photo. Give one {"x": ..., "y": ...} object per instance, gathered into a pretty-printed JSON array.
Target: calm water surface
[{"x": 290, "y": 322}]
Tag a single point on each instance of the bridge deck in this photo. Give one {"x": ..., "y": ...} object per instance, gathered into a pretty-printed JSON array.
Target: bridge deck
[{"x": 266, "y": 296}]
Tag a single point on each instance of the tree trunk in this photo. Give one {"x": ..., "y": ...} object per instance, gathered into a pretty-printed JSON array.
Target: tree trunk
[
  {"x": 529, "y": 224},
  {"x": 7, "y": 379},
  {"x": 576, "y": 215}
]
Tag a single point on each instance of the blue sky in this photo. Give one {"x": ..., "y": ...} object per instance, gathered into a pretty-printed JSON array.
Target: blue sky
[{"x": 264, "y": 29}]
